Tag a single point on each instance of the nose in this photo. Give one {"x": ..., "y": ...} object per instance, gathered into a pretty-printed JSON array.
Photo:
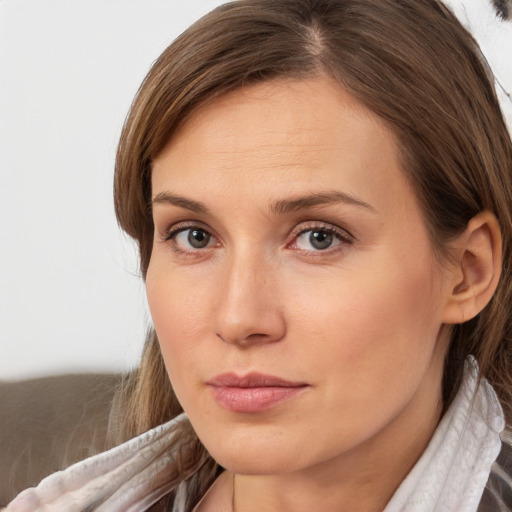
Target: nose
[{"x": 248, "y": 310}]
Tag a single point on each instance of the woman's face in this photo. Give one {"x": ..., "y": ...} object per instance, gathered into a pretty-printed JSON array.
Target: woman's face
[{"x": 292, "y": 283}]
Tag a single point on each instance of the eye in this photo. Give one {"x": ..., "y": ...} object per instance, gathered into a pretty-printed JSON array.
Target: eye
[
  {"x": 320, "y": 238},
  {"x": 197, "y": 238},
  {"x": 190, "y": 238}
]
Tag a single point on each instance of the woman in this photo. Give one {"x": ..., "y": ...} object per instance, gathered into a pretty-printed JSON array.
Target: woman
[{"x": 320, "y": 192}]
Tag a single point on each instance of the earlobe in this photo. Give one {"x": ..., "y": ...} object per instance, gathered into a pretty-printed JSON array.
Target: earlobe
[{"x": 477, "y": 269}]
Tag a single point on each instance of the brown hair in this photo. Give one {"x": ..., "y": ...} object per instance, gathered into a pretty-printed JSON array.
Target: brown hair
[{"x": 410, "y": 62}]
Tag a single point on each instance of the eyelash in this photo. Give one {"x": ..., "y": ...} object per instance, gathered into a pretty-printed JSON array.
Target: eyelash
[{"x": 343, "y": 236}]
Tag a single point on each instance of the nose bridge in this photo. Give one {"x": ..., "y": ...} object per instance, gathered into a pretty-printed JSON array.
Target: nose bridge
[{"x": 248, "y": 309}]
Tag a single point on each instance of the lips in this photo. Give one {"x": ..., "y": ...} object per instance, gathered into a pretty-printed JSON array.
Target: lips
[{"x": 254, "y": 392}]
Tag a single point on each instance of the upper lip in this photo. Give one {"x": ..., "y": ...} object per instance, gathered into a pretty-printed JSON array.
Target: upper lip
[{"x": 252, "y": 380}]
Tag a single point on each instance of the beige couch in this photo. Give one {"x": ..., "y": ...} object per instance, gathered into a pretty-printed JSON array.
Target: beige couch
[{"x": 48, "y": 423}]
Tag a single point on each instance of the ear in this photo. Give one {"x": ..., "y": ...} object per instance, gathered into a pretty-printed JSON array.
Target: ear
[{"x": 475, "y": 274}]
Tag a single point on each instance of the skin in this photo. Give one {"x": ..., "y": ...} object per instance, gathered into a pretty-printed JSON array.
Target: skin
[{"x": 362, "y": 322}]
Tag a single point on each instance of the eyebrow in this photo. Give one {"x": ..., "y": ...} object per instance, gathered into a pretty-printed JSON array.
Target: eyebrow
[
  {"x": 182, "y": 202},
  {"x": 317, "y": 199},
  {"x": 280, "y": 206}
]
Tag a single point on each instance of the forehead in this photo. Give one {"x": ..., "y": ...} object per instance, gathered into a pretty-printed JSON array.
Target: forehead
[
  {"x": 286, "y": 107},
  {"x": 281, "y": 136}
]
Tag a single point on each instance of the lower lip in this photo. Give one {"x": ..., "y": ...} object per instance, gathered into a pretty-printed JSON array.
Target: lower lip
[{"x": 255, "y": 399}]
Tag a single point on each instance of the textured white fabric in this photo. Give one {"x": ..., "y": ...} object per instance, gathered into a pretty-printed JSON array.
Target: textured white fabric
[
  {"x": 128, "y": 478},
  {"x": 453, "y": 471},
  {"x": 450, "y": 476}
]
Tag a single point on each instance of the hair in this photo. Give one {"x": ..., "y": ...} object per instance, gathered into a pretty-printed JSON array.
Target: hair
[
  {"x": 408, "y": 61},
  {"x": 503, "y": 8}
]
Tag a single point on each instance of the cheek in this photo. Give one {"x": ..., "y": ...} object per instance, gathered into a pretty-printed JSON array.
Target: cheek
[
  {"x": 369, "y": 322},
  {"x": 176, "y": 314}
]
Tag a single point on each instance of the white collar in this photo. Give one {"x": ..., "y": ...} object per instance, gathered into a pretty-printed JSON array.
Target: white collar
[
  {"x": 128, "y": 478},
  {"x": 454, "y": 469}
]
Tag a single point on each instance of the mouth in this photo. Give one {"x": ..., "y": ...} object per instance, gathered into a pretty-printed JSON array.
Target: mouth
[{"x": 254, "y": 392}]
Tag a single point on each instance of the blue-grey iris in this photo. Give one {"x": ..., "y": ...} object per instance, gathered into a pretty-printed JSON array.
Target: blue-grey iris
[
  {"x": 320, "y": 239},
  {"x": 198, "y": 238}
]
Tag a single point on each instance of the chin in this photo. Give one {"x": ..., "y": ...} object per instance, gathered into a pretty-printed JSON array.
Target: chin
[
  {"x": 251, "y": 454},
  {"x": 245, "y": 462}
]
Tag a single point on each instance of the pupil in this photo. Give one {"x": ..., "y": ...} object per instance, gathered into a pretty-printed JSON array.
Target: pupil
[
  {"x": 198, "y": 238},
  {"x": 320, "y": 239}
]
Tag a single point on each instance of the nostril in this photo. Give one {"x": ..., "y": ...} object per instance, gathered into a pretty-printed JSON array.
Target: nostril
[{"x": 245, "y": 341}]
